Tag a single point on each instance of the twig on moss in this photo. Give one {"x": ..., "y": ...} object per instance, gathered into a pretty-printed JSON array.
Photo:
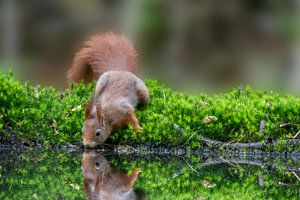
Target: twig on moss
[
  {"x": 188, "y": 139},
  {"x": 296, "y": 176},
  {"x": 217, "y": 161},
  {"x": 286, "y": 124},
  {"x": 228, "y": 143},
  {"x": 217, "y": 144},
  {"x": 297, "y": 134},
  {"x": 285, "y": 184}
]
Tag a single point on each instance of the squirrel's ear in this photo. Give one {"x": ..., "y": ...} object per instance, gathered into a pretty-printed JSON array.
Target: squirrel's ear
[
  {"x": 99, "y": 114},
  {"x": 87, "y": 111},
  {"x": 89, "y": 107}
]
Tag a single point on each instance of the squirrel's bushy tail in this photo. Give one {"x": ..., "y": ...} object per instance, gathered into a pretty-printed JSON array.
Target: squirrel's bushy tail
[{"x": 101, "y": 53}]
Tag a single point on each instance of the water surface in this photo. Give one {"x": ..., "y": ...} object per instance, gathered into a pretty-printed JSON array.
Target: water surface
[{"x": 59, "y": 174}]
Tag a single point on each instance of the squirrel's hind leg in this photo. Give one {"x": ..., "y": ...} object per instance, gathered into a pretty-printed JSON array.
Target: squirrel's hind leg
[{"x": 142, "y": 92}]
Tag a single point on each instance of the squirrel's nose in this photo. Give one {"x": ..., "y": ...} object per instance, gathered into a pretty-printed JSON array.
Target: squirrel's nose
[{"x": 88, "y": 145}]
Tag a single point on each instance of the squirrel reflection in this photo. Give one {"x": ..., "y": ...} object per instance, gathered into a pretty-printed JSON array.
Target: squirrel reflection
[{"x": 101, "y": 181}]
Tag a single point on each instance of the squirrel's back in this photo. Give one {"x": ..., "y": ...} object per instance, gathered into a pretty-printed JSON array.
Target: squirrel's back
[{"x": 101, "y": 53}]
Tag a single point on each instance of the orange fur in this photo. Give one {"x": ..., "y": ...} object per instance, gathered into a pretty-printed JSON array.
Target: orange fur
[
  {"x": 101, "y": 53},
  {"x": 89, "y": 107},
  {"x": 115, "y": 103},
  {"x": 112, "y": 60},
  {"x": 101, "y": 181}
]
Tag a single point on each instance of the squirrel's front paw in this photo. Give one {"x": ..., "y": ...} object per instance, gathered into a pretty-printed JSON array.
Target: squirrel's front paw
[
  {"x": 138, "y": 129},
  {"x": 137, "y": 170}
]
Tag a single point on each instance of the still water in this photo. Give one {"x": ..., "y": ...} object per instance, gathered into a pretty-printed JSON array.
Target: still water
[{"x": 58, "y": 174}]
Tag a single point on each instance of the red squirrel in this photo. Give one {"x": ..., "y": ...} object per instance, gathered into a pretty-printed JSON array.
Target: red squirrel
[
  {"x": 101, "y": 181},
  {"x": 111, "y": 60}
]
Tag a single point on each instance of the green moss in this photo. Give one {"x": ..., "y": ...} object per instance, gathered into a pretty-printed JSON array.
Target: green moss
[{"x": 44, "y": 115}]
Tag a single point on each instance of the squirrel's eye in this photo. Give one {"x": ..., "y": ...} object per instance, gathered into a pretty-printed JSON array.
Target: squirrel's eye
[
  {"x": 98, "y": 132},
  {"x": 97, "y": 165}
]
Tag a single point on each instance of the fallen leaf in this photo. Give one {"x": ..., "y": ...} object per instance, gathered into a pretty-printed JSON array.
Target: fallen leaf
[
  {"x": 208, "y": 184},
  {"x": 209, "y": 119}
]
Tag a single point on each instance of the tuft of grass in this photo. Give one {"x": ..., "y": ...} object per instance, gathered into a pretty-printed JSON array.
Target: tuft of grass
[{"x": 47, "y": 116}]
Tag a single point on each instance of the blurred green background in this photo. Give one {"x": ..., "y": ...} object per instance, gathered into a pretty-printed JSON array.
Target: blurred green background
[{"x": 204, "y": 45}]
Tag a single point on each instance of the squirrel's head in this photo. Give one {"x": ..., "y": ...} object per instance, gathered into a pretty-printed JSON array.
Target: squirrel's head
[
  {"x": 93, "y": 163},
  {"x": 95, "y": 130},
  {"x": 101, "y": 179}
]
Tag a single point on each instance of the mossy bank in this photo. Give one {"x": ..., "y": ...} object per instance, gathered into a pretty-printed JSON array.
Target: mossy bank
[{"x": 44, "y": 115}]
